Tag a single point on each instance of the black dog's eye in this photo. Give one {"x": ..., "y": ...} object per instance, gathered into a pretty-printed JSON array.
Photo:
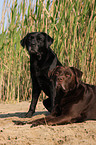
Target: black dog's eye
[
  {"x": 32, "y": 37},
  {"x": 39, "y": 39}
]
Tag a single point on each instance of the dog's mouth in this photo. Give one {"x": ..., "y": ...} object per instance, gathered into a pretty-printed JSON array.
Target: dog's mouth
[
  {"x": 60, "y": 85},
  {"x": 32, "y": 51},
  {"x": 63, "y": 87}
]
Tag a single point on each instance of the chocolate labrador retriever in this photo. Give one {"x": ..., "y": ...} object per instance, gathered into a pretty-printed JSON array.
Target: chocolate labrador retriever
[
  {"x": 75, "y": 101},
  {"x": 42, "y": 61}
]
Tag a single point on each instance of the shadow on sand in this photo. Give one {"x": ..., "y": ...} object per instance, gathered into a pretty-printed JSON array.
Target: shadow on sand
[{"x": 22, "y": 114}]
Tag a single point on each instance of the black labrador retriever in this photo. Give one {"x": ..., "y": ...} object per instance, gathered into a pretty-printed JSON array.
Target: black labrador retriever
[
  {"x": 42, "y": 61},
  {"x": 75, "y": 101}
]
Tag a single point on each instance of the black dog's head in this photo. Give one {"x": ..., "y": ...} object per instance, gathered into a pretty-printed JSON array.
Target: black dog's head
[
  {"x": 36, "y": 42},
  {"x": 66, "y": 78}
]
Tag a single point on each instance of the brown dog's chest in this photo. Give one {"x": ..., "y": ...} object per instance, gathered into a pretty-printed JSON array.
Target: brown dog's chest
[{"x": 67, "y": 100}]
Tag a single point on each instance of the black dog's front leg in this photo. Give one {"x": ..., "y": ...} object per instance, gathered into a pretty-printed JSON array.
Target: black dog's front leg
[
  {"x": 35, "y": 95},
  {"x": 31, "y": 111},
  {"x": 55, "y": 110},
  {"x": 49, "y": 103},
  {"x": 53, "y": 95}
]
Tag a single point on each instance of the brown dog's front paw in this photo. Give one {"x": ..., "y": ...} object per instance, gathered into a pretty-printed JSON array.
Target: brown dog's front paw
[
  {"x": 19, "y": 122},
  {"x": 34, "y": 125},
  {"x": 29, "y": 114},
  {"x": 38, "y": 122}
]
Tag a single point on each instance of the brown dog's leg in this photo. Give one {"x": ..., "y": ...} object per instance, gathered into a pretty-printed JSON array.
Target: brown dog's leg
[
  {"x": 59, "y": 120},
  {"x": 51, "y": 120}
]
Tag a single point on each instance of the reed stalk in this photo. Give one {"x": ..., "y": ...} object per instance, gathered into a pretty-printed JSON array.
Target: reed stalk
[{"x": 71, "y": 23}]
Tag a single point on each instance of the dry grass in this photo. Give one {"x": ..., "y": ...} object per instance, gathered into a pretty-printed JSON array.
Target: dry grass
[{"x": 72, "y": 24}]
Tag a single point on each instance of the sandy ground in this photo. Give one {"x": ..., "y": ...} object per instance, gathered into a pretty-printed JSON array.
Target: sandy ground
[{"x": 70, "y": 134}]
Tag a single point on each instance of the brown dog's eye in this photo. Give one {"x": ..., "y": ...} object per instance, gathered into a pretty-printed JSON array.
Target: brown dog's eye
[
  {"x": 67, "y": 75},
  {"x": 57, "y": 73}
]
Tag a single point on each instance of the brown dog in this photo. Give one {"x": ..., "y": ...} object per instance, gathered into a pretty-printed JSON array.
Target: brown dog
[{"x": 75, "y": 101}]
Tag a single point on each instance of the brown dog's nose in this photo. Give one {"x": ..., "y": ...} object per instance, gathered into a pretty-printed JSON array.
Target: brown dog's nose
[{"x": 60, "y": 79}]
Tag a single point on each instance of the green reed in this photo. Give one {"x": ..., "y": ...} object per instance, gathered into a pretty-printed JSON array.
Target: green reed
[{"x": 71, "y": 23}]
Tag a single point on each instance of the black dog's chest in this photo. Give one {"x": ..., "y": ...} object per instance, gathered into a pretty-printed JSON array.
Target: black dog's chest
[
  {"x": 41, "y": 75},
  {"x": 42, "y": 78},
  {"x": 44, "y": 83},
  {"x": 40, "y": 69}
]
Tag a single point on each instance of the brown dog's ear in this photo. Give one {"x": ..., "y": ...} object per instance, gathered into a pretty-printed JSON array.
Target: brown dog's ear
[
  {"x": 23, "y": 41},
  {"x": 48, "y": 40},
  {"x": 49, "y": 73},
  {"x": 78, "y": 74}
]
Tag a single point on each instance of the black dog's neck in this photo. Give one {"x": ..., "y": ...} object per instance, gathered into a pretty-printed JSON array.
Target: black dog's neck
[{"x": 46, "y": 58}]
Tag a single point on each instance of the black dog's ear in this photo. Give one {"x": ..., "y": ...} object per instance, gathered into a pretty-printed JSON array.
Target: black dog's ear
[
  {"x": 48, "y": 40},
  {"x": 78, "y": 74},
  {"x": 23, "y": 41}
]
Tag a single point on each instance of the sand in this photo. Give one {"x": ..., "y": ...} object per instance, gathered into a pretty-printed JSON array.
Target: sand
[{"x": 70, "y": 134}]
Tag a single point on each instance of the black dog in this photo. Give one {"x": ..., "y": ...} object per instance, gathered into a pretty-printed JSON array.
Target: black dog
[
  {"x": 42, "y": 61},
  {"x": 75, "y": 101}
]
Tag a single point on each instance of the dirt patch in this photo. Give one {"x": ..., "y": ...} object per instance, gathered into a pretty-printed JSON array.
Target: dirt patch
[{"x": 70, "y": 134}]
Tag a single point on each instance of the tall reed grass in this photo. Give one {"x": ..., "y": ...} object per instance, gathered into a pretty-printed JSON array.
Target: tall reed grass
[{"x": 72, "y": 24}]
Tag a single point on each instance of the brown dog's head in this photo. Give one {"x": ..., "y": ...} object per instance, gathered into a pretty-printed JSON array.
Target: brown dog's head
[
  {"x": 36, "y": 42},
  {"x": 67, "y": 78}
]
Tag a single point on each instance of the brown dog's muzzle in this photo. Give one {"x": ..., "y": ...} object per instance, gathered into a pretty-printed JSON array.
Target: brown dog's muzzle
[{"x": 60, "y": 82}]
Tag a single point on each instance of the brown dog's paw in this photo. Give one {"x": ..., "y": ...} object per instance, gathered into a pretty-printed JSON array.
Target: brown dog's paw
[
  {"x": 37, "y": 122},
  {"x": 34, "y": 124},
  {"x": 19, "y": 122}
]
